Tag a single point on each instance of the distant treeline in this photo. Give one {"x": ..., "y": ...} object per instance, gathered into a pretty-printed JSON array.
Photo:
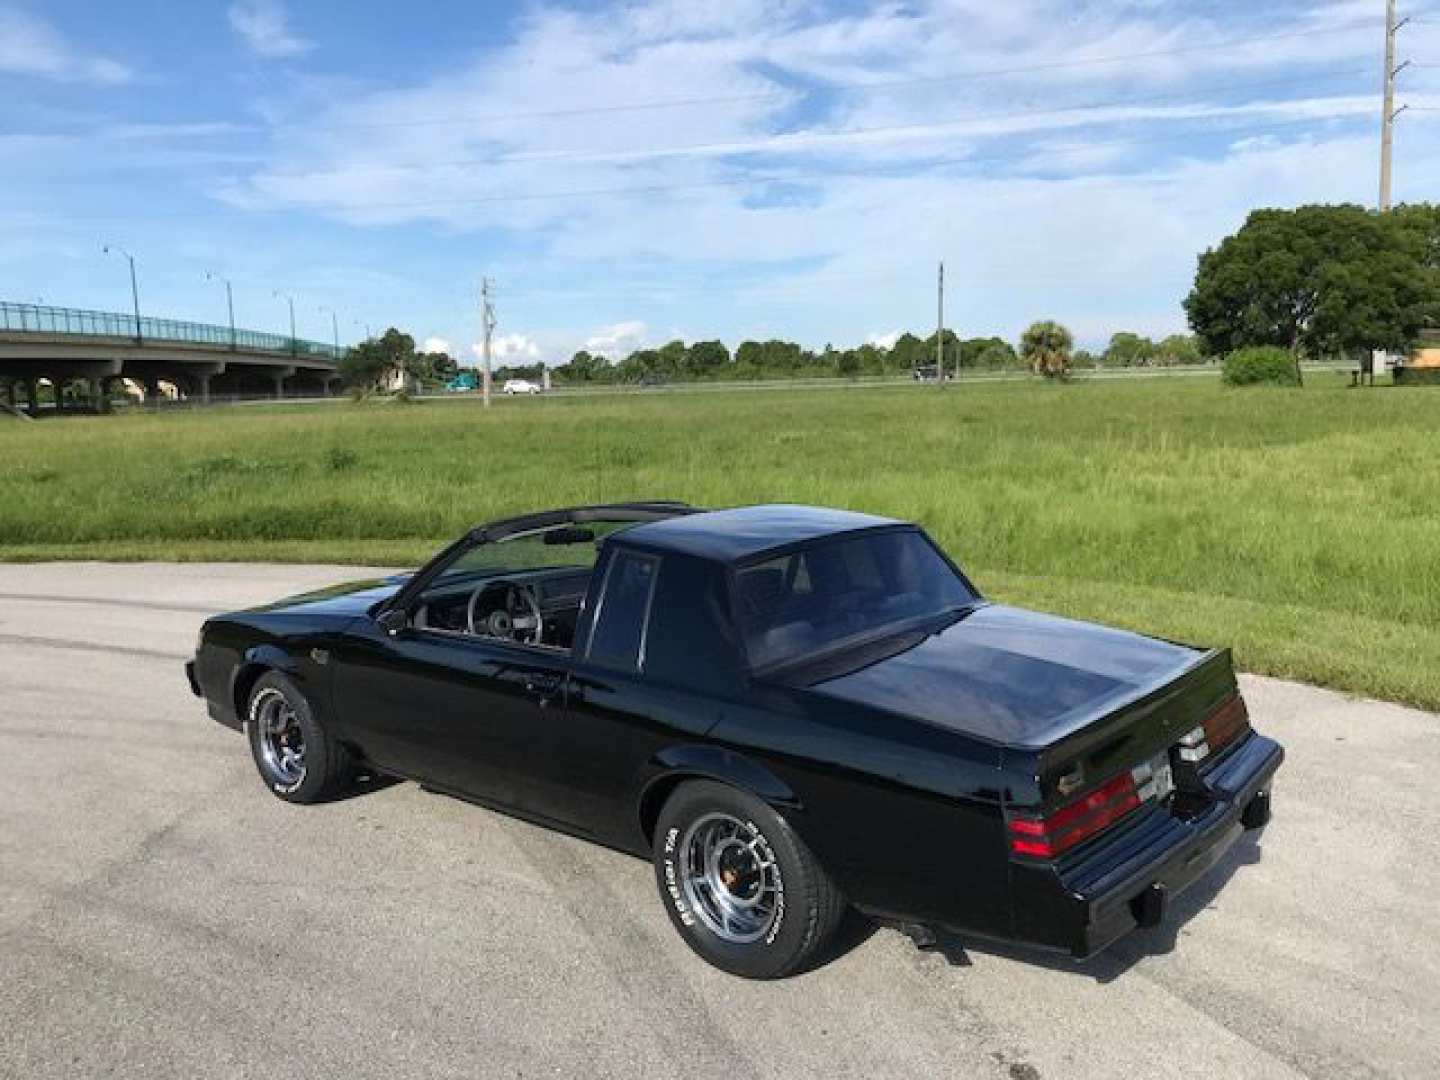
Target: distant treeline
[
  {"x": 703, "y": 360},
  {"x": 1046, "y": 348}
]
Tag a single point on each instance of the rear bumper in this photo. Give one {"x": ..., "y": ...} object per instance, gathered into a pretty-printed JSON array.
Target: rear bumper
[{"x": 1128, "y": 881}]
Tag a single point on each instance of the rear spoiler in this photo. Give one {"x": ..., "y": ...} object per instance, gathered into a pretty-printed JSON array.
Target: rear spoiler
[{"x": 1141, "y": 727}]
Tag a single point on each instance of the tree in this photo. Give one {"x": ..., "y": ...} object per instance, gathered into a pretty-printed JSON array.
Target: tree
[
  {"x": 1046, "y": 346},
  {"x": 708, "y": 357},
  {"x": 1127, "y": 349},
  {"x": 870, "y": 359},
  {"x": 990, "y": 352},
  {"x": 909, "y": 352},
  {"x": 434, "y": 368},
  {"x": 673, "y": 359},
  {"x": 998, "y": 354},
  {"x": 640, "y": 364},
  {"x": 1179, "y": 349},
  {"x": 584, "y": 366},
  {"x": 373, "y": 360},
  {"x": 1319, "y": 281},
  {"x": 951, "y": 350},
  {"x": 1423, "y": 221}
]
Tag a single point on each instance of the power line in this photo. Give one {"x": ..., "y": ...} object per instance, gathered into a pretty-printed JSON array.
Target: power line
[
  {"x": 230, "y": 130},
  {"x": 1223, "y": 45},
  {"x": 651, "y": 189},
  {"x": 791, "y": 176},
  {"x": 779, "y": 142}
]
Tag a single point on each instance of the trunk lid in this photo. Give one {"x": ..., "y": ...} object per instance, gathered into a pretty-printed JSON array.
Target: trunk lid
[
  {"x": 1138, "y": 733},
  {"x": 1029, "y": 681}
]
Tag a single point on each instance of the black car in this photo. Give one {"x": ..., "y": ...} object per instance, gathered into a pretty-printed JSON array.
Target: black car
[{"x": 793, "y": 712}]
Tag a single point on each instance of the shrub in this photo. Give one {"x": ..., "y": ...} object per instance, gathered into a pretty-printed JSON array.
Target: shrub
[
  {"x": 1260, "y": 364},
  {"x": 340, "y": 459}
]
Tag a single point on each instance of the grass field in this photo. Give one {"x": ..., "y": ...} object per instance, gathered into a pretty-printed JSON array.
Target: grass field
[{"x": 1302, "y": 527}]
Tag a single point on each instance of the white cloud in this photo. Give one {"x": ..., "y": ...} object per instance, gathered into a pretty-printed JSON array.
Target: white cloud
[
  {"x": 509, "y": 347},
  {"x": 1082, "y": 191},
  {"x": 617, "y": 340},
  {"x": 437, "y": 345},
  {"x": 29, "y": 46},
  {"x": 265, "y": 27},
  {"x": 884, "y": 341}
]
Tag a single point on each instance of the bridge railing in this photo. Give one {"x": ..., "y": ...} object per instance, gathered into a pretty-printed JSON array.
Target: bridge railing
[{"x": 41, "y": 319}]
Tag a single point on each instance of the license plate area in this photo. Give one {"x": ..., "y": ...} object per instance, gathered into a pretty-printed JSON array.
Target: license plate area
[{"x": 1154, "y": 780}]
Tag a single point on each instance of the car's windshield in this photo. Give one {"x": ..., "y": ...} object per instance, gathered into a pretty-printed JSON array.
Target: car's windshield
[
  {"x": 557, "y": 546},
  {"x": 850, "y": 588}
]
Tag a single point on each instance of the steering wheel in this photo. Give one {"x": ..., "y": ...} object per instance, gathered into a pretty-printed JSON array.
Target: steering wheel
[{"x": 516, "y": 617}]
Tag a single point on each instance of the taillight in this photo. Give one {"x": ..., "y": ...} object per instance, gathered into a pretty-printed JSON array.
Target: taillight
[
  {"x": 1220, "y": 728},
  {"x": 1050, "y": 836}
]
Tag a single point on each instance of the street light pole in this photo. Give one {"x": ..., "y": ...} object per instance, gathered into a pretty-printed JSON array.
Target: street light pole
[
  {"x": 291, "y": 301},
  {"x": 229, "y": 302},
  {"x": 134, "y": 288},
  {"x": 334, "y": 327}
]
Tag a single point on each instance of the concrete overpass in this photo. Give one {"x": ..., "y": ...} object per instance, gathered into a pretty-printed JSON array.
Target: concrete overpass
[{"x": 67, "y": 346}]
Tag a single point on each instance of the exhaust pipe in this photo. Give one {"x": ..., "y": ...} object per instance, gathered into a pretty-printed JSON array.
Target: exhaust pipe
[
  {"x": 1257, "y": 814},
  {"x": 1149, "y": 907}
]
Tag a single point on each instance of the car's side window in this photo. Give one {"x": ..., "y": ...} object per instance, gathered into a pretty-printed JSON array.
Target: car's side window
[{"x": 618, "y": 638}]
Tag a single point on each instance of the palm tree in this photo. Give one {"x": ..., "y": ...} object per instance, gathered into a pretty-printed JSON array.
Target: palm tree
[{"x": 1046, "y": 346}]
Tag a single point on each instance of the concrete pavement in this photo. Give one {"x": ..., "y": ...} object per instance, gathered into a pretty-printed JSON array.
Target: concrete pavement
[{"x": 162, "y": 915}]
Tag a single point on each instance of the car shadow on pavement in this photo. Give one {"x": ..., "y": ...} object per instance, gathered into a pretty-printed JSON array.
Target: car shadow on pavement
[
  {"x": 1129, "y": 950},
  {"x": 854, "y": 930},
  {"x": 364, "y": 783}
]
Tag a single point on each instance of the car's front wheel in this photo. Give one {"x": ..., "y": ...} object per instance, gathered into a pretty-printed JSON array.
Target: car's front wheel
[
  {"x": 741, "y": 888},
  {"x": 298, "y": 759}
]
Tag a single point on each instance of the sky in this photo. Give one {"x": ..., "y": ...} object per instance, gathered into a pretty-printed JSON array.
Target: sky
[{"x": 629, "y": 173}]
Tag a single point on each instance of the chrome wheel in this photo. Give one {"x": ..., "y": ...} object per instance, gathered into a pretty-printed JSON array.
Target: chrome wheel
[
  {"x": 730, "y": 878},
  {"x": 282, "y": 743}
]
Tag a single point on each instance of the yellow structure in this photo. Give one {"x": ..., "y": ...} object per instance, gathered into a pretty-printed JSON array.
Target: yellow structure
[
  {"x": 1427, "y": 353},
  {"x": 1423, "y": 363}
]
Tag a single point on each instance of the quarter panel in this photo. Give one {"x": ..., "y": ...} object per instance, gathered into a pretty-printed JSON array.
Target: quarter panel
[{"x": 906, "y": 817}]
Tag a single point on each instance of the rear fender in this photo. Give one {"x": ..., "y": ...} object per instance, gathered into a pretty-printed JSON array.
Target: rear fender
[{"x": 672, "y": 766}]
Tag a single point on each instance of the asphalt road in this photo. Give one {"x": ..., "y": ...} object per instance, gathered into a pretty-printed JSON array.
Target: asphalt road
[{"x": 162, "y": 915}]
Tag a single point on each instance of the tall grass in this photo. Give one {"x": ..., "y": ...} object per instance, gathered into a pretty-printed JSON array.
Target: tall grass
[{"x": 1300, "y": 526}]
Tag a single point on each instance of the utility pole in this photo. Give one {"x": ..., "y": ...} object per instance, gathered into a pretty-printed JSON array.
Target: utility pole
[
  {"x": 1388, "y": 111},
  {"x": 134, "y": 289},
  {"x": 940, "y": 329},
  {"x": 229, "y": 302},
  {"x": 487, "y": 326}
]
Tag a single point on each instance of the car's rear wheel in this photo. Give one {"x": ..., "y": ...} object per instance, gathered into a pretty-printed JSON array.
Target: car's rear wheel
[
  {"x": 298, "y": 760},
  {"x": 740, "y": 887}
]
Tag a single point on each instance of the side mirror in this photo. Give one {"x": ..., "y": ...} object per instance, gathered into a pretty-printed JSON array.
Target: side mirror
[{"x": 392, "y": 620}]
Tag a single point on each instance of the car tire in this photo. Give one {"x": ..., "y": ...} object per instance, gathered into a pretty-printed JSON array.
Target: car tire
[
  {"x": 297, "y": 758},
  {"x": 739, "y": 885}
]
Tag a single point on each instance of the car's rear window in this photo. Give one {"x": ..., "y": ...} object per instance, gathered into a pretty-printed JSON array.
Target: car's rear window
[{"x": 852, "y": 587}]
